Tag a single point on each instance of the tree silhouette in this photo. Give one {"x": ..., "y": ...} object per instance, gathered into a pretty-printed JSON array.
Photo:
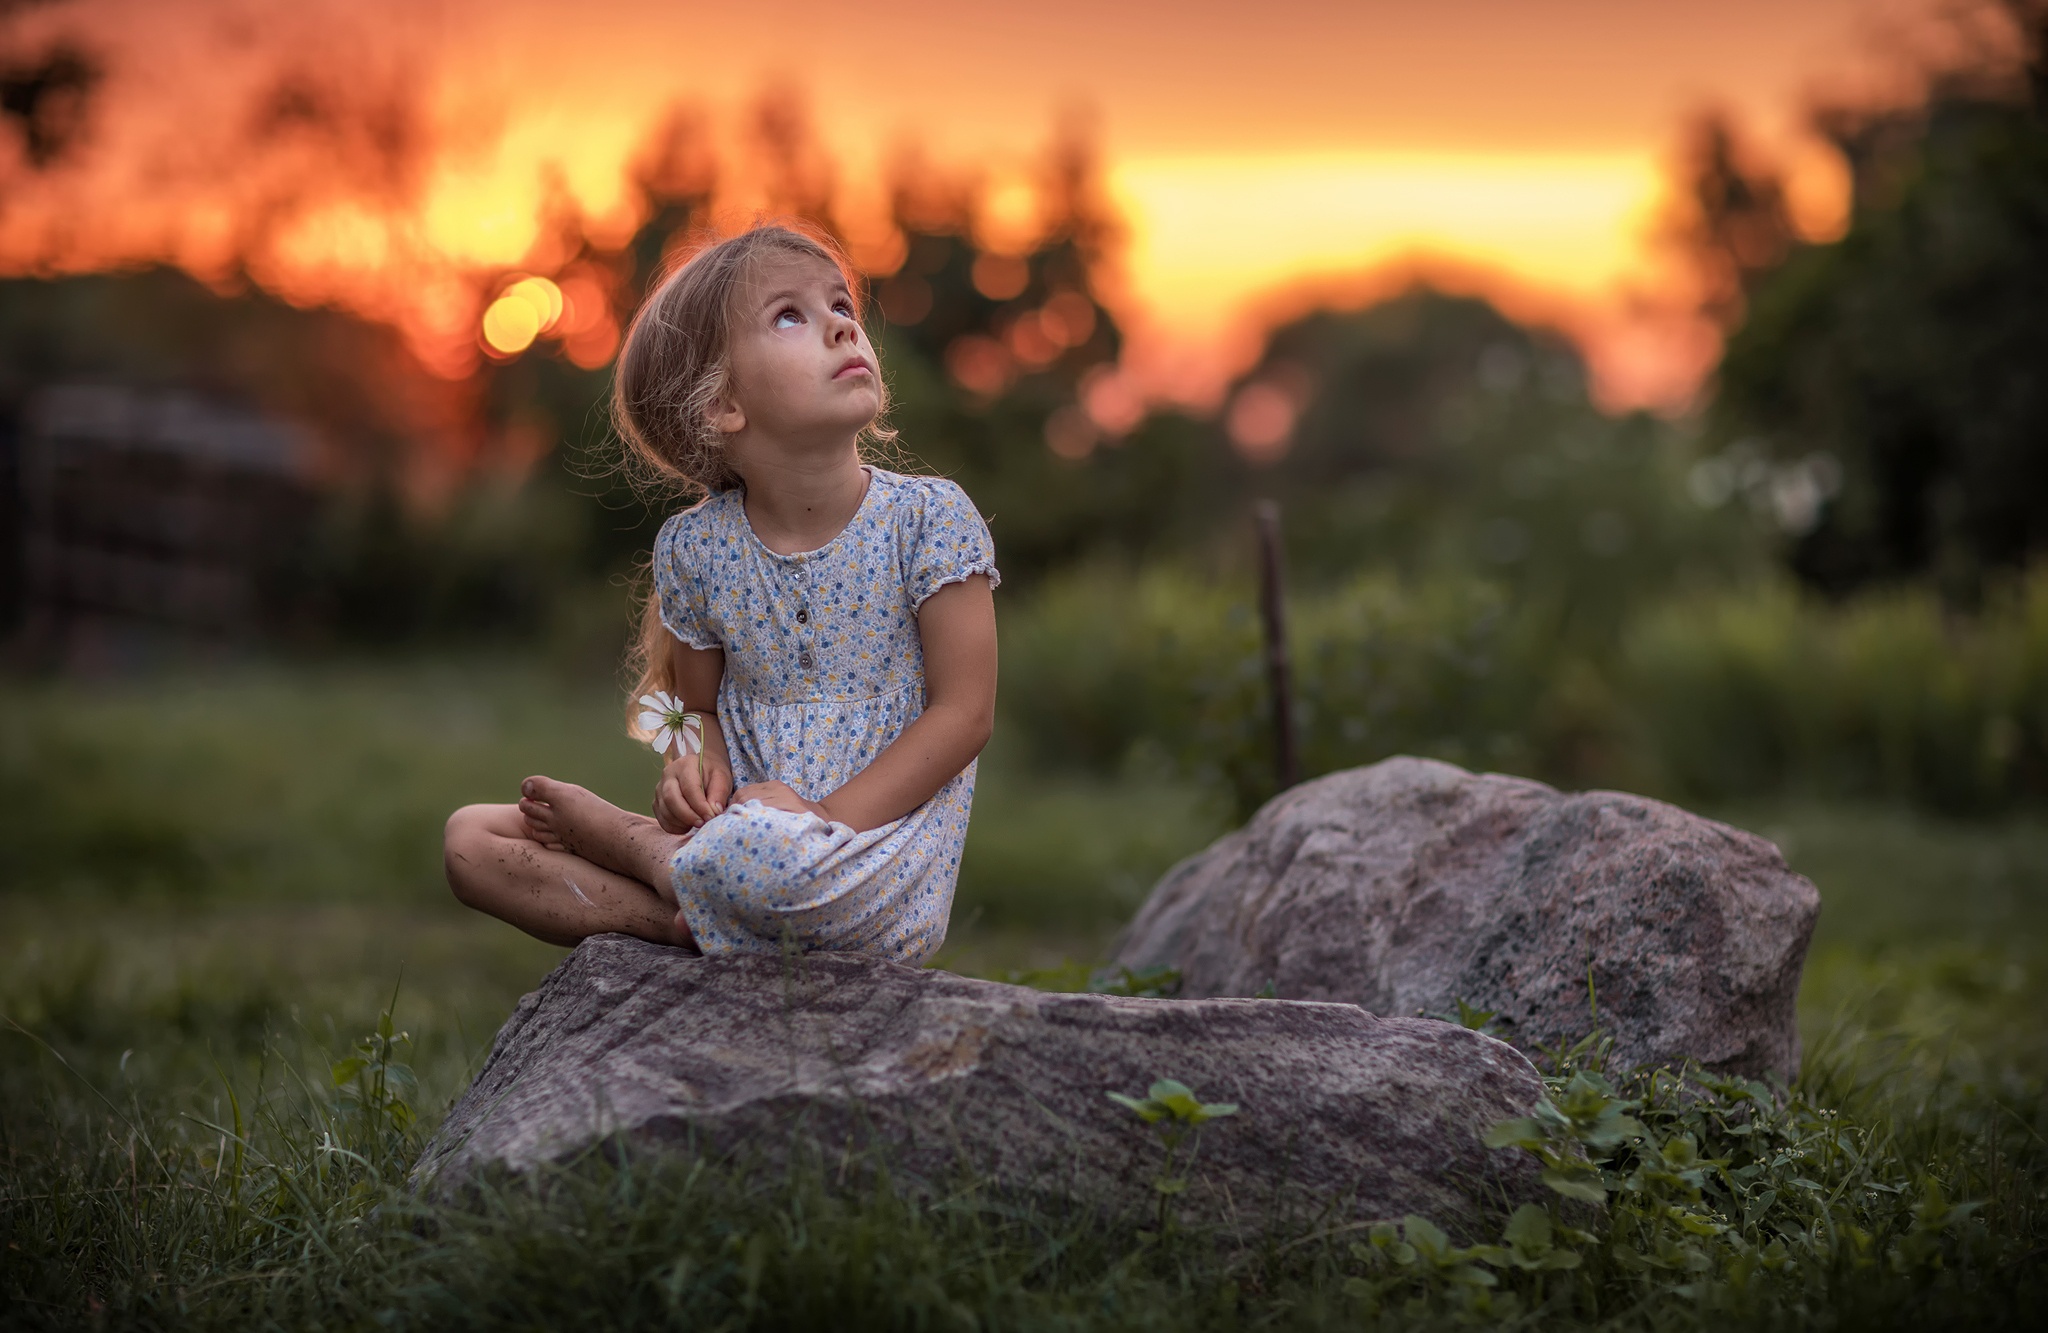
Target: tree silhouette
[
  {"x": 48, "y": 99},
  {"x": 1913, "y": 350}
]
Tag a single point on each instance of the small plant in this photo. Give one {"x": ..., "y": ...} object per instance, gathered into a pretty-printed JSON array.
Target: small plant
[
  {"x": 1468, "y": 1016},
  {"x": 1582, "y": 1114},
  {"x": 1719, "y": 1183},
  {"x": 1172, "y": 1108},
  {"x": 1417, "y": 1259},
  {"x": 373, "y": 1083},
  {"x": 1152, "y": 983}
]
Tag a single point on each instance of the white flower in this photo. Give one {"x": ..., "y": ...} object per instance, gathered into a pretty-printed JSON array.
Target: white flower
[{"x": 664, "y": 715}]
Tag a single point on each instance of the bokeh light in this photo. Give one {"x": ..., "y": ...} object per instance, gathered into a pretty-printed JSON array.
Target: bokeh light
[
  {"x": 1029, "y": 342},
  {"x": 1070, "y": 434},
  {"x": 1261, "y": 420},
  {"x": 527, "y": 308},
  {"x": 1114, "y": 400},
  {"x": 979, "y": 364},
  {"x": 1001, "y": 277},
  {"x": 1068, "y": 318},
  {"x": 510, "y": 326},
  {"x": 905, "y": 299},
  {"x": 1008, "y": 221}
]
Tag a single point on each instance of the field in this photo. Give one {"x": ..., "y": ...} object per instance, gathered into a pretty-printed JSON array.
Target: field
[{"x": 213, "y": 887}]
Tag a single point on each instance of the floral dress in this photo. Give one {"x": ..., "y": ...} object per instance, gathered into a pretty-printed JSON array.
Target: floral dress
[{"x": 823, "y": 669}]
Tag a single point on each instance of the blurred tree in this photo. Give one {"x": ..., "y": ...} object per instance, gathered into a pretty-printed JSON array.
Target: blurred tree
[
  {"x": 1002, "y": 364},
  {"x": 47, "y": 99},
  {"x": 1340, "y": 395},
  {"x": 1427, "y": 433},
  {"x": 1735, "y": 225},
  {"x": 1911, "y": 356},
  {"x": 350, "y": 381},
  {"x": 560, "y": 388},
  {"x": 378, "y": 566},
  {"x": 989, "y": 354},
  {"x": 1432, "y": 435}
]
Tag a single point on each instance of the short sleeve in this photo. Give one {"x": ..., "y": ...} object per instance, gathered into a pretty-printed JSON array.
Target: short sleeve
[
  {"x": 949, "y": 543},
  {"x": 679, "y": 585}
]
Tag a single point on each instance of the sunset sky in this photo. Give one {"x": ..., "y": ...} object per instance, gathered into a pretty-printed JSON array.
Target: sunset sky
[{"x": 1260, "y": 153}]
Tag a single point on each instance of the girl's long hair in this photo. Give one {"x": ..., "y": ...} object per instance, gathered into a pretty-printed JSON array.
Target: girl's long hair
[{"x": 675, "y": 363}]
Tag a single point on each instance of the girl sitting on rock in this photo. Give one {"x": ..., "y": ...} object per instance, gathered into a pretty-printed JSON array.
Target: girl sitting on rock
[{"x": 818, "y": 655}]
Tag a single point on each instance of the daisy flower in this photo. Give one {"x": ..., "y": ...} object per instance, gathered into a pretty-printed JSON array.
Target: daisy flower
[{"x": 663, "y": 716}]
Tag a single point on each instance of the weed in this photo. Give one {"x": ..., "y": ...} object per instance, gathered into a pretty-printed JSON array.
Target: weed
[{"x": 1172, "y": 1108}]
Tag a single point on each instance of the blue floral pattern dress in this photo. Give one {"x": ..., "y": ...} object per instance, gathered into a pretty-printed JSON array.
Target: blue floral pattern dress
[{"x": 823, "y": 669}]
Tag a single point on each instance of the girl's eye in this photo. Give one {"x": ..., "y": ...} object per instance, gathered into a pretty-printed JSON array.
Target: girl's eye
[
  {"x": 843, "y": 307},
  {"x": 787, "y": 319}
]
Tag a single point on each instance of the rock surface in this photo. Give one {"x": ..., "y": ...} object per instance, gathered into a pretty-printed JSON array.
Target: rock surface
[
  {"x": 1410, "y": 885},
  {"x": 937, "y": 1073}
]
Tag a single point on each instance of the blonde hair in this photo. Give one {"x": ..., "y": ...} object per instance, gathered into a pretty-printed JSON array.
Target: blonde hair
[{"x": 674, "y": 365}]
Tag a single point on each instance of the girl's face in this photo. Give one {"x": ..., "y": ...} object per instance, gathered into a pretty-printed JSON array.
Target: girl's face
[{"x": 803, "y": 371}]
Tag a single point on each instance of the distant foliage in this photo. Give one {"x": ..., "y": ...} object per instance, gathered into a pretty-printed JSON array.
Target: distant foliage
[
  {"x": 501, "y": 562},
  {"x": 1889, "y": 695},
  {"x": 1721, "y": 696},
  {"x": 1166, "y": 667},
  {"x": 1909, "y": 353}
]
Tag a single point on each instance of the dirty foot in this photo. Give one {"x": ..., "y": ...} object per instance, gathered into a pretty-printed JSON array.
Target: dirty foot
[{"x": 564, "y": 817}]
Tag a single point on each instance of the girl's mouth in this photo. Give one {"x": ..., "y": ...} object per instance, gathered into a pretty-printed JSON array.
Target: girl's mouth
[{"x": 857, "y": 366}]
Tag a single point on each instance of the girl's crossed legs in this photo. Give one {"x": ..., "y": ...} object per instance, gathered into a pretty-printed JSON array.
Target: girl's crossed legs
[{"x": 564, "y": 864}]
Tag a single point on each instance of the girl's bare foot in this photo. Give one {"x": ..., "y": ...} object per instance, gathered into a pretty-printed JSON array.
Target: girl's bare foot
[
  {"x": 562, "y": 816},
  {"x": 495, "y": 866}
]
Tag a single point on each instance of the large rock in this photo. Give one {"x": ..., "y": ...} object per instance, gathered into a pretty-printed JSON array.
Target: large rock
[
  {"x": 1410, "y": 885},
  {"x": 939, "y": 1073}
]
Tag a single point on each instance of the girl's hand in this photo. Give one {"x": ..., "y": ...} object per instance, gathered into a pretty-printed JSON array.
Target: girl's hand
[
  {"x": 692, "y": 789},
  {"x": 779, "y": 796}
]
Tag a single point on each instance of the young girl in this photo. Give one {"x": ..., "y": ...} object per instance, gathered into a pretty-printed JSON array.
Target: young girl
[{"x": 827, "y": 630}]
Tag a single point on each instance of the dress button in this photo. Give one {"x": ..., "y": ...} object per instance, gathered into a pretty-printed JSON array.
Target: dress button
[
  {"x": 803, "y": 660},
  {"x": 803, "y": 616}
]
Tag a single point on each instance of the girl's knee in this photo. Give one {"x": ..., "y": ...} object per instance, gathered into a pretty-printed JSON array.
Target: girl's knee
[
  {"x": 466, "y": 843},
  {"x": 502, "y": 820}
]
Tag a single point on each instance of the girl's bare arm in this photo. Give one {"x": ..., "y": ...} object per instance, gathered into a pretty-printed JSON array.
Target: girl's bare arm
[
  {"x": 957, "y": 626},
  {"x": 693, "y": 788}
]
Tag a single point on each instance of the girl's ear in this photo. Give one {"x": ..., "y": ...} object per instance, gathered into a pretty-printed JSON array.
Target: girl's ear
[{"x": 727, "y": 416}]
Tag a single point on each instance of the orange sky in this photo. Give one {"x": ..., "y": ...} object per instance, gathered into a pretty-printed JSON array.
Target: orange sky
[{"x": 1518, "y": 145}]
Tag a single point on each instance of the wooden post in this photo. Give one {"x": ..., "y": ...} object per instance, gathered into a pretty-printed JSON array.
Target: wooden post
[{"x": 1273, "y": 611}]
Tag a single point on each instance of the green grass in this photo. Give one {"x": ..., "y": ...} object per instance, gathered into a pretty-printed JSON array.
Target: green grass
[
  {"x": 330, "y": 784},
  {"x": 209, "y": 890}
]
